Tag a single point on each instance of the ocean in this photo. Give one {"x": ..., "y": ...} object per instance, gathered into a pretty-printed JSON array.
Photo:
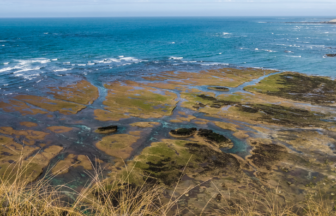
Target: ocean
[{"x": 100, "y": 49}]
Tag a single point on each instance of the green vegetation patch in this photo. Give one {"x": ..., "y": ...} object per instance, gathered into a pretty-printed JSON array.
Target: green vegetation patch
[
  {"x": 299, "y": 87},
  {"x": 165, "y": 161},
  {"x": 196, "y": 100},
  {"x": 282, "y": 115},
  {"x": 137, "y": 101},
  {"x": 249, "y": 108}
]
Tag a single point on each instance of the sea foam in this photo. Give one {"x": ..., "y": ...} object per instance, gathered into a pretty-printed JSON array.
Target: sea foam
[
  {"x": 62, "y": 69},
  {"x": 176, "y": 58}
]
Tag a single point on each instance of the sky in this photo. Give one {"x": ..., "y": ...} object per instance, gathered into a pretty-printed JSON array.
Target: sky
[{"x": 126, "y": 8}]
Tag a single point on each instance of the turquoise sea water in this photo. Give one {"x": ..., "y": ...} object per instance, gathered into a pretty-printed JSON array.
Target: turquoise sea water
[{"x": 32, "y": 50}]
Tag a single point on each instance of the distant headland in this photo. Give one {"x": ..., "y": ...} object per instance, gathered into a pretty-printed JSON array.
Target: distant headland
[{"x": 333, "y": 21}]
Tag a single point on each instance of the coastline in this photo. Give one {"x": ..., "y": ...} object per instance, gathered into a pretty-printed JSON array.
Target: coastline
[{"x": 278, "y": 125}]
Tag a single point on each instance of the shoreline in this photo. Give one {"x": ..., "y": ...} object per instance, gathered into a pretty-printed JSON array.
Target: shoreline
[{"x": 272, "y": 121}]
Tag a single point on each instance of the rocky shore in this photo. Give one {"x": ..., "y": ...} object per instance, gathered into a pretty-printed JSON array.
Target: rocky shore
[{"x": 208, "y": 146}]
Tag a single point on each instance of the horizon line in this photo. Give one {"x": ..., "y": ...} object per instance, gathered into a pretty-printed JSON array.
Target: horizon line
[{"x": 167, "y": 16}]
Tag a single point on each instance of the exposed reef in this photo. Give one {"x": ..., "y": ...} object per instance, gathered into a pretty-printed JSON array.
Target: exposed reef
[
  {"x": 230, "y": 77},
  {"x": 28, "y": 137},
  {"x": 163, "y": 161},
  {"x": 69, "y": 100},
  {"x": 60, "y": 129},
  {"x": 280, "y": 132},
  {"x": 298, "y": 87},
  {"x": 14, "y": 154},
  {"x": 145, "y": 124},
  {"x": 81, "y": 92},
  {"x": 28, "y": 124},
  {"x": 71, "y": 160},
  {"x": 131, "y": 99},
  {"x": 117, "y": 145}
]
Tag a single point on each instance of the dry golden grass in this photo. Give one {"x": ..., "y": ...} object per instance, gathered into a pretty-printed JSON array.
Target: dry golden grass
[{"x": 19, "y": 197}]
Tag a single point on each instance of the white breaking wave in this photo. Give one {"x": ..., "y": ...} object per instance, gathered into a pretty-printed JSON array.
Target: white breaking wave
[
  {"x": 6, "y": 63},
  {"x": 54, "y": 59},
  {"x": 81, "y": 65},
  {"x": 66, "y": 63},
  {"x": 214, "y": 63},
  {"x": 23, "y": 68},
  {"x": 7, "y": 69},
  {"x": 90, "y": 63},
  {"x": 256, "y": 49},
  {"x": 129, "y": 59},
  {"x": 226, "y": 33},
  {"x": 176, "y": 58},
  {"x": 189, "y": 61},
  {"x": 62, "y": 69},
  {"x": 37, "y": 60},
  {"x": 117, "y": 60},
  {"x": 294, "y": 56},
  {"x": 26, "y": 69},
  {"x": 107, "y": 61}
]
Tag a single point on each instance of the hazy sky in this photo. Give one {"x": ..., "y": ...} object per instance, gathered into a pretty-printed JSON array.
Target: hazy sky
[{"x": 99, "y": 8}]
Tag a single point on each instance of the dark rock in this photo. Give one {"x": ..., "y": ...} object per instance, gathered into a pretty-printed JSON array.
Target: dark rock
[
  {"x": 266, "y": 155},
  {"x": 219, "y": 88},
  {"x": 198, "y": 105},
  {"x": 206, "y": 97},
  {"x": 212, "y": 136},
  {"x": 107, "y": 129},
  {"x": 246, "y": 108},
  {"x": 219, "y": 197},
  {"x": 115, "y": 196},
  {"x": 216, "y": 106},
  {"x": 183, "y": 132},
  {"x": 213, "y": 159},
  {"x": 331, "y": 55}
]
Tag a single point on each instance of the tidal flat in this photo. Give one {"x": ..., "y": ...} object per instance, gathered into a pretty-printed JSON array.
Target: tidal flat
[{"x": 219, "y": 135}]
